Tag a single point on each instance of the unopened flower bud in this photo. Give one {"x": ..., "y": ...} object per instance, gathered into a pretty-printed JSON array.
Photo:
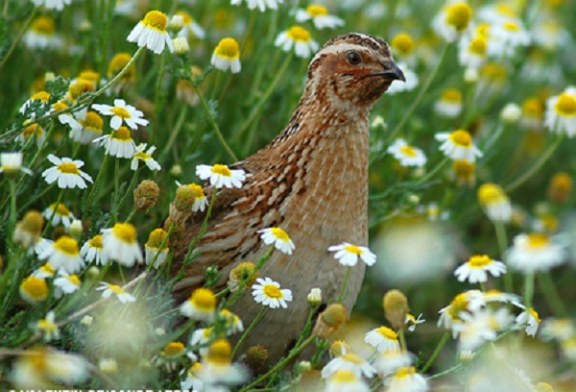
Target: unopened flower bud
[
  {"x": 146, "y": 195},
  {"x": 315, "y": 297},
  {"x": 108, "y": 365},
  {"x": 560, "y": 187},
  {"x": 329, "y": 321},
  {"x": 243, "y": 272},
  {"x": 395, "y": 306},
  {"x": 181, "y": 46},
  {"x": 471, "y": 75},
  {"x": 176, "y": 23},
  {"x": 339, "y": 348},
  {"x": 303, "y": 367},
  {"x": 256, "y": 358},
  {"x": 93, "y": 273},
  {"x": 87, "y": 320},
  {"x": 76, "y": 229},
  {"x": 511, "y": 113}
]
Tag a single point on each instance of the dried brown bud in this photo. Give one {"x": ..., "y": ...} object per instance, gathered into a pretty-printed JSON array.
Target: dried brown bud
[
  {"x": 395, "y": 306},
  {"x": 330, "y": 321},
  {"x": 146, "y": 195},
  {"x": 256, "y": 358},
  {"x": 184, "y": 199},
  {"x": 560, "y": 187},
  {"x": 243, "y": 272}
]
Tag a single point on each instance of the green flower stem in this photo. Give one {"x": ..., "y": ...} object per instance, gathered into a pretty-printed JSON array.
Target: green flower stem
[
  {"x": 402, "y": 339},
  {"x": 528, "y": 289},
  {"x": 537, "y": 165},
  {"x": 259, "y": 264},
  {"x": 129, "y": 190},
  {"x": 20, "y": 34},
  {"x": 174, "y": 134},
  {"x": 436, "y": 352},
  {"x": 447, "y": 371},
  {"x": 434, "y": 171},
  {"x": 116, "y": 190},
  {"x": 194, "y": 243},
  {"x": 49, "y": 223},
  {"x": 281, "y": 364},
  {"x": 344, "y": 285},
  {"x": 502, "y": 239},
  {"x": 96, "y": 186},
  {"x": 258, "y": 107},
  {"x": 213, "y": 122},
  {"x": 256, "y": 320},
  {"x": 13, "y": 208},
  {"x": 551, "y": 294},
  {"x": 307, "y": 326},
  {"x": 421, "y": 93}
]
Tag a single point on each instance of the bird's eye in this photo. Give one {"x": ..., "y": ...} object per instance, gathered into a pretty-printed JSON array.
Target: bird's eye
[{"x": 353, "y": 57}]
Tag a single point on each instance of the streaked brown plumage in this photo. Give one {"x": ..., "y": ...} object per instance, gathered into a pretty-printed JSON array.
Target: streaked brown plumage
[{"x": 312, "y": 181}]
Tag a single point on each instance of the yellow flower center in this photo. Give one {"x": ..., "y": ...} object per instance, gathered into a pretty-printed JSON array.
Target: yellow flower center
[
  {"x": 47, "y": 269},
  {"x": 96, "y": 241},
  {"x": 61, "y": 209},
  {"x": 142, "y": 155},
  {"x": 405, "y": 372},
  {"x": 532, "y": 312},
  {"x": 458, "y": 304},
  {"x": 480, "y": 261},
  {"x": 280, "y": 234},
  {"x": 478, "y": 45},
  {"x": 353, "y": 358},
  {"x": 74, "y": 279},
  {"x": 452, "y": 95},
  {"x": 33, "y": 222},
  {"x": 68, "y": 168},
  {"x": 458, "y": 15},
  {"x": 122, "y": 134},
  {"x": 387, "y": 333},
  {"x": 41, "y": 95},
  {"x": 67, "y": 245},
  {"x": 36, "y": 288},
  {"x": 506, "y": 10},
  {"x": 344, "y": 376},
  {"x": 116, "y": 289},
  {"x": 461, "y": 138},
  {"x": 490, "y": 194},
  {"x": 511, "y": 26},
  {"x": 156, "y": 238},
  {"x": 228, "y": 48},
  {"x": 93, "y": 121},
  {"x": 33, "y": 130},
  {"x": 126, "y": 232},
  {"x": 403, "y": 43},
  {"x": 156, "y": 20},
  {"x": 464, "y": 169},
  {"x": 47, "y": 326},
  {"x": 90, "y": 75},
  {"x": 220, "y": 352},
  {"x": 316, "y": 10},
  {"x": 118, "y": 62},
  {"x": 121, "y": 112},
  {"x": 538, "y": 240},
  {"x": 197, "y": 191},
  {"x": 221, "y": 170},
  {"x": 186, "y": 17},
  {"x": 272, "y": 291},
  {"x": 409, "y": 151},
  {"x": 204, "y": 299},
  {"x": 493, "y": 71},
  {"x": 483, "y": 30},
  {"x": 566, "y": 104},
  {"x": 532, "y": 107},
  {"x": 353, "y": 249},
  {"x": 44, "y": 25},
  {"x": 297, "y": 33},
  {"x": 80, "y": 87},
  {"x": 59, "y": 106},
  {"x": 173, "y": 349}
]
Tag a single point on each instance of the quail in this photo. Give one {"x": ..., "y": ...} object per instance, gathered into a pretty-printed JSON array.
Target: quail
[{"x": 312, "y": 181}]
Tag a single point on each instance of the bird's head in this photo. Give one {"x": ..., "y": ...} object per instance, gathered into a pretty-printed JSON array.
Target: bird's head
[{"x": 352, "y": 70}]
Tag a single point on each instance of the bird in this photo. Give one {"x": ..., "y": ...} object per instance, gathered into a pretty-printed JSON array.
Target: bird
[{"x": 312, "y": 181}]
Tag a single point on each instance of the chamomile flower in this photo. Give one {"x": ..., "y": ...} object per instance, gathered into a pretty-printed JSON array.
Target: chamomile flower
[
  {"x": 268, "y": 293},
  {"x": 200, "y": 199},
  {"x": 64, "y": 255},
  {"x": 262, "y": 5},
  {"x": 561, "y": 112},
  {"x": 57, "y": 214},
  {"x": 450, "y": 103},
  {"x": 11, "y": 163},
  {"x": 477, "y": 268},
  {"x": 57, "y": 5},
  {"x": 382, "y": 339},
  {"x": 121, "y": 244},
  {"x": 32, "y": 131},
  {"x": 319, "y": 15},
  {"x": 349, "y": 254},
  {"x": 298, "y": 38},
  {"x": 118, "y": 143},
  {"x": 40, "y": 99},
  {"x": 407, "y": 155},
  {"x": 29, "y": 229},
  {"x": 42, "y": 34},
  {"x": 200, "y": 306},
  {"x": 232, "y": 322},
  {"x": 144, "y": 156},
  {"x": 90, "y": 125},
  {"x": 156, "y": 248},
  {"x": 473, "y": 51},
  {"x": 44, "y": 271},
  {"x": 529, "y": 320},
  {"x": 67, "y": 284},
  {"x": 279, "y": 238},
  {"x": 66, "y": 172},
  {"x": 558, "y": 328},
  {"x": 495, "y": 202},
  {"x": 505, "y": 37},
  {"x": 345, "y": 380},
  {"x": 121, "y": 113},
  {"x": 406, "y": 379},
  {"x": 480, "y": 327},
  {"x": 389, "y": 361},
  {"x": 413, "y": 321},
  {"x": 535, "y": 252},
  {"x": 151, "y": 32},
  {"x": 226, "y": 56},
  {"x": 468, "y": 301},
  {"x": 221, "y": 176},
  {"x": 34, "y": 290},
  {"x": 458, "y": 145},
  {"x": 47, "y": 327},
  {"x": 109, "y": 289},
  {"x": 217, "y": 370},
  {"x": 190, "y": 28},
  {"x": 201, "y": 338},
  {"x": 532, "y": 114},
  {"x": 93, "y": 250},
  {"x": 453, "y": 20},
  {"x": 351, "y": 362}
]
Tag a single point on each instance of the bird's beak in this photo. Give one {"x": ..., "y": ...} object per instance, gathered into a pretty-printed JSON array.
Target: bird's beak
[{"x": 394, "y": 73}]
